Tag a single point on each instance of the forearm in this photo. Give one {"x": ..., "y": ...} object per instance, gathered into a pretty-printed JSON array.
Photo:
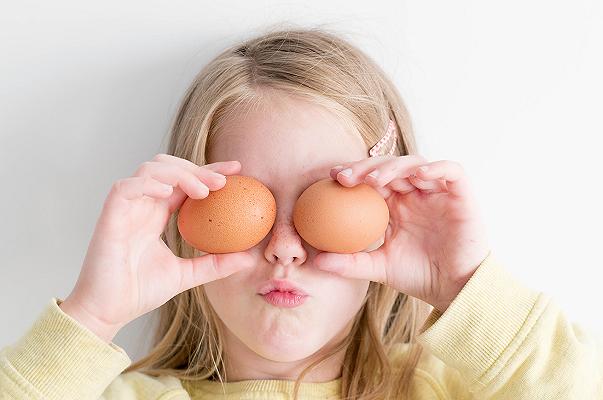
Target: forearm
[{"x": 511, "y": 342}]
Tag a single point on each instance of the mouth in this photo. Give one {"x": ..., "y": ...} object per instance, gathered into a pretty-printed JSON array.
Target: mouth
[
  {"x": 281, "y": 286},
  {"x": 284, "y": 299}
]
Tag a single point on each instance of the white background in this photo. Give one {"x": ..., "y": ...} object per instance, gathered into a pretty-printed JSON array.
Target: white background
[{"x": 512, "y": 90}]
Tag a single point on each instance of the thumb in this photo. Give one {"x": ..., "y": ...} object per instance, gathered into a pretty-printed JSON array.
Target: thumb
[
  {"x": 362, "y": 265},
  {"x": 210, "y": 267}
]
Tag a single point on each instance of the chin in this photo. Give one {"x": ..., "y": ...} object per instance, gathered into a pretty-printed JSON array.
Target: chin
[{"x": 280, "y": 350}]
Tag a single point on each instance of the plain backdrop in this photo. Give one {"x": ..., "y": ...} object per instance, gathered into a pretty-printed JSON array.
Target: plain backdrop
[{"x": 512, "y": 90}]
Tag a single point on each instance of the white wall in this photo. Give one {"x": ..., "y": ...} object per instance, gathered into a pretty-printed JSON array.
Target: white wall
[{"x": 512, "y": 90}]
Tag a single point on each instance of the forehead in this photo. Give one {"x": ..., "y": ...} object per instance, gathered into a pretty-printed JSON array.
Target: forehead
[{"x": 284, "y": 139}]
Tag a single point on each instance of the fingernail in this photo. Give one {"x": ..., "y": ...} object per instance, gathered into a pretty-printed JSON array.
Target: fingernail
[
  {"x": 337, "y": 168},
  {"x": 374, "y": 174},
  {"x": 423, "y": 169},
  {"x": 346, "y": 172}
]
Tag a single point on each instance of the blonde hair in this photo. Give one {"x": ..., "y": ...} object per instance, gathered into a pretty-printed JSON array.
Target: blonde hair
[{"x": 321, "y": 67}]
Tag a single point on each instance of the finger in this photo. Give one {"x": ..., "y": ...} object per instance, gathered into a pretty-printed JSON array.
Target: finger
[
  {"x": 225, "y": 167},
  {"x": 398, "y": 168},
  {"x": 210, "y": 267},
  {"x": 400, "y": 172},
  {"x": 212, "y": 180},
  {"x": 195, "y": 186},
  {"x": 360, "y": 265},
  {"x": 185, "y": 183},
  {"x": 221, "y": 167},
  {"x": 386, "y": 168},
  {"x": 136, "y": 187},
  {"x": 426, "y": 186},
  {"x": 385, "y": 192},
  {"x": 453, "y": 173},
  {"x": 401, "y": 185},
  {"x": 358, "y": 165}
]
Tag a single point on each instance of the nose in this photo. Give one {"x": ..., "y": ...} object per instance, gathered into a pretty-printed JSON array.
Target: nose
[{"x": 285, "y": 245}]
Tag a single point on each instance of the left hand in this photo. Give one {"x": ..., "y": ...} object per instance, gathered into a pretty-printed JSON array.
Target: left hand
[{"x": 435, "y": 239}]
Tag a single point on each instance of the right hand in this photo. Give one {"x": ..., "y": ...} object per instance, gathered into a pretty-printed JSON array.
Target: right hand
[{"x": 128, "y": 269}]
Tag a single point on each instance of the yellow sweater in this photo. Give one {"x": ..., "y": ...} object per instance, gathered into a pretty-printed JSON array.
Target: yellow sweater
[{"x": 498, "y": 340}]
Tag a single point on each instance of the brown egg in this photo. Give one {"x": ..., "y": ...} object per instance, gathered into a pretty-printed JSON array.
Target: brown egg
[
  {"x": 234, "y": 218},
  {"x": 339, "y": 219}
]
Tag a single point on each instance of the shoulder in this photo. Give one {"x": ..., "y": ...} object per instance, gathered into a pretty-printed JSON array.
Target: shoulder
[
  {"x": 140, "y": 386},
  {"x": 432, "y": 377}
]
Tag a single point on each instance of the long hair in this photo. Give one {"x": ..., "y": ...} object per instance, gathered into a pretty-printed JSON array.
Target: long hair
[{"x": 321, "y": 67}]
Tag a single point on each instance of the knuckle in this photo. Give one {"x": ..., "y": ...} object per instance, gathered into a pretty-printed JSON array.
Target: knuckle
[
  {"x": 196, "y": 181},
  {"x": 414, "y": 157},
  {"x": 422, "y": 159},
  {"x": 117, "y": 185},
  {"x": 214, "y": 265},
  {"x": 186, "y": 275},
  {"x": 161, "y": 157},
  {"x": 146, "y": 165},
  {"x": 146, "y": 180},
  {"x": 144, "y": 168},
  {"x": 391, "y": 167}
]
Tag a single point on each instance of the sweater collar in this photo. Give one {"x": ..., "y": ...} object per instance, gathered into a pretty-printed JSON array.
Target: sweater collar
[{"x": 267, "y": 386}]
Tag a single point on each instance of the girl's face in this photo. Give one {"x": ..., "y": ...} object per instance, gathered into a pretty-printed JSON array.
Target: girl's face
[{"x": 287, "y": 145}]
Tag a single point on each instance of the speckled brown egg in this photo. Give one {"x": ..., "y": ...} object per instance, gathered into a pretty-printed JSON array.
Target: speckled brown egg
[
  {"x": 339, "y": 219},
  {"x": 234, "y": 218}
]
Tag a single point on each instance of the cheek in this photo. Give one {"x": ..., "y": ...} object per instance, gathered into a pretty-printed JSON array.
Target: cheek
[
  {"x": 341, "y": 302},
  {"x": 223, "y": 294}
]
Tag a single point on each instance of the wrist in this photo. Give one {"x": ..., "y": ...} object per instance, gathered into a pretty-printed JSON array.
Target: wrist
[
  {"x": 100, "y": 328},
  {"x": 454, "y": 287},
  {"x": 443, "y": 303}
]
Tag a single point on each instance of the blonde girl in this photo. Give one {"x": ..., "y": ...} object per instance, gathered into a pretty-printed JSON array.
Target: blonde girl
[{"x": 426, "y": 312}]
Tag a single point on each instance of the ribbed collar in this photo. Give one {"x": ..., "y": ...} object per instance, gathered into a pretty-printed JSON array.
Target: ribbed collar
[{"x": 307, "y": 390}]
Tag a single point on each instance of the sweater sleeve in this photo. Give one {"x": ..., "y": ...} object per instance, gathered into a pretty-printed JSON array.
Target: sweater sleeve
[
  {"x": 501, "y": 340},
  {"x": 58, "y": 358}
]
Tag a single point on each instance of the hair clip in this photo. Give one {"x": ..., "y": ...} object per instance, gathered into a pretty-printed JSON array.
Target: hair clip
[{"x": 387, "y": 144}]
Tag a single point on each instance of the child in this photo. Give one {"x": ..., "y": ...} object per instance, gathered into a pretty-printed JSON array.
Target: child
[{"x": 289, "y": 108}]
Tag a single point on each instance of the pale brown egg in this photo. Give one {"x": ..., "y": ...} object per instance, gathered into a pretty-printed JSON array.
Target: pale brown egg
[
  {"x": 234, "y": 218},
  {"x": 339, "y": 219}
]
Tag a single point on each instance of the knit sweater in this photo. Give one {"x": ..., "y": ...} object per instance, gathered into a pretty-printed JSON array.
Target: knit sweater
[{"x": 497, "y": 340}]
